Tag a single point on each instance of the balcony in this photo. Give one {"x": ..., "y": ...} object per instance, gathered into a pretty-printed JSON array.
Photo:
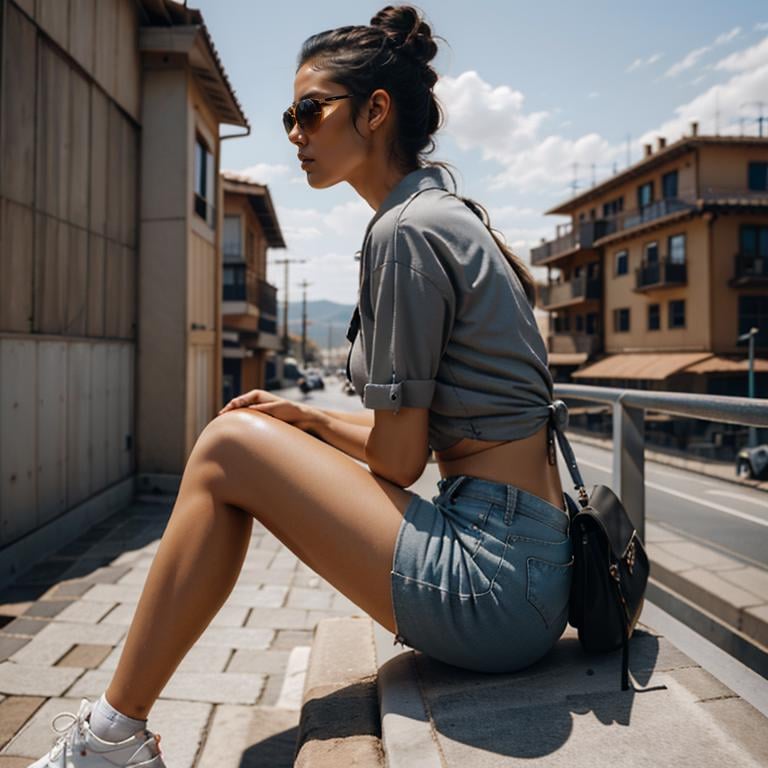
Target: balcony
[
  {"x": 749, "y": 270},
  {"x": 644, "y": 216},
  {"x": 574, "y": 343},
  {"x": 243, "y": 284},
  {"x": 574, "y": 291},
  {"x": 584, "y": 237},
  {"x": 660, "y": 274}
]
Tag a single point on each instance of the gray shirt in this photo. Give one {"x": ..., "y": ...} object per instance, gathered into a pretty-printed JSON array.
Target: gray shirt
[{"x": 444, "y": 321}]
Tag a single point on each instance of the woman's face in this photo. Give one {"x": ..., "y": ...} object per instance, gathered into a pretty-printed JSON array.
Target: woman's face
[{"x": 335, "y": 151}]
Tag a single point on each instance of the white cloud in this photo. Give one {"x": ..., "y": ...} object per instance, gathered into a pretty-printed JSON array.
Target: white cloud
[
  {"x": 692, "y": 58},
  {"x": 750, "y": 58},
  {"x": 639, "y": 63},
  {"x": 761, "y": 26},
  {"x": 504, "y": 126},
  {"x": 265, "y": 173},
  {"x": 593, "y": 95}
]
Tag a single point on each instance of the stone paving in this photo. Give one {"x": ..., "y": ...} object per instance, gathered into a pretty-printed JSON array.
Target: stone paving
[{"x": 235, "y": 698}]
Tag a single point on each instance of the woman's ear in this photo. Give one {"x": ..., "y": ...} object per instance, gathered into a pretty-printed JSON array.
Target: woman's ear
[{"x": 379, "y": 108}]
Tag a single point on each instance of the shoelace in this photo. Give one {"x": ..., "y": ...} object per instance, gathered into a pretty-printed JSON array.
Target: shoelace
[{"x": 73, "y": 735}]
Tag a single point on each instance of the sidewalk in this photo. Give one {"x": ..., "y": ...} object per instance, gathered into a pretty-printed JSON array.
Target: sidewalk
[{"x": 233, "y": 702}]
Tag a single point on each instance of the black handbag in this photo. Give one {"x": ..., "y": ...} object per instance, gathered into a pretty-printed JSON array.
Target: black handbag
[{"x": 610, "y": 569}]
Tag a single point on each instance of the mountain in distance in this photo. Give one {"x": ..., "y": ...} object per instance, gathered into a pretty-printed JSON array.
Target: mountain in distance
[{"x": 323, "y": 317}]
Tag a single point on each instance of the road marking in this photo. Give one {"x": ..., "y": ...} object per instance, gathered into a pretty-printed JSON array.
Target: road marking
[
  {"x": 738, "y": 496},
  {"x": 717, "y": 507}
]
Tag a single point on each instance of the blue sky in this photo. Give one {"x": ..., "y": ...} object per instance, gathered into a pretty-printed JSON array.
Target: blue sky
[{"x": 529, "y": 89}]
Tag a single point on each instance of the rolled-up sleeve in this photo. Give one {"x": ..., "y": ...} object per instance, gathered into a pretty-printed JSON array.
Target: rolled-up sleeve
[{"x": 412, "y": 317}]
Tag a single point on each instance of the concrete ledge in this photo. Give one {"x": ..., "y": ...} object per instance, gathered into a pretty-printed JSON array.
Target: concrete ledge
[{"x": 340, "y": 723}]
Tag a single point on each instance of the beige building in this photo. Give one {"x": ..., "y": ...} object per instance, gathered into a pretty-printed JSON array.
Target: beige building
[
  {"x": 110, "y": 258},
  {"x": 249, "y": 302},
  {"x": 661, "y": 268}
]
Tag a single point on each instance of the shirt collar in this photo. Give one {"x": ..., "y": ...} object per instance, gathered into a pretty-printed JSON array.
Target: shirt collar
[{"x": 428, "y": 177}]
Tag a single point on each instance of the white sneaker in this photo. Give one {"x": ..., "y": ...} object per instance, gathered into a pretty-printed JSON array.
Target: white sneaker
[{"x": 79, "y": 747}]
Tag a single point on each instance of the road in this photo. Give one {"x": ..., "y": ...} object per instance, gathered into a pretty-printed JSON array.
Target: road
[{"x": 730, "y": 518}]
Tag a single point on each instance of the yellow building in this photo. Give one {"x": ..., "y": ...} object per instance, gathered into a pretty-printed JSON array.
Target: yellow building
[
  {"x": 249, "y": 302},
  {"x": 661, "y": 268},
  {"x": 110, "y": 258}
]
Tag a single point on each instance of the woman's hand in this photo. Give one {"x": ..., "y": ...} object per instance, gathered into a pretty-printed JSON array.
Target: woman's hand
[{"x": 297, "y": 414}]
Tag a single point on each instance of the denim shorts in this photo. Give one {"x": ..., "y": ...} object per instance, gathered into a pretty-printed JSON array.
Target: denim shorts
[{"x": 481, "y": 575}]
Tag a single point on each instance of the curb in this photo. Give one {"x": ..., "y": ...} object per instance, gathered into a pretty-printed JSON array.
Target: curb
[{"x": 340, "y": 723}]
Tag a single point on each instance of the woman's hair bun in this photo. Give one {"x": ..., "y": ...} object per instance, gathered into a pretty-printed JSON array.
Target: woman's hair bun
[{"x": 407, "y": 32}]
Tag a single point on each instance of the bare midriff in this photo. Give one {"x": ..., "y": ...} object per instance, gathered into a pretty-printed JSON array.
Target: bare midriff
[{"x": 522, "y": 463}]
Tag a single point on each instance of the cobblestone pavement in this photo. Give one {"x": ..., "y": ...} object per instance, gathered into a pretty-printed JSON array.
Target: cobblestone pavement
[{"x": 235, "y": 698}]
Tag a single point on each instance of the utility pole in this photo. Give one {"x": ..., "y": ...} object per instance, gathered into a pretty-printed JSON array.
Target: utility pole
[
  {"x": 285, "y": 263},
  {"x": 304, "y": 285}
]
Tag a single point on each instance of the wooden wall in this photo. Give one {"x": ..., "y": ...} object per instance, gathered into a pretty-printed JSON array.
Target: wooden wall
[{"x": 69, "y": 146}]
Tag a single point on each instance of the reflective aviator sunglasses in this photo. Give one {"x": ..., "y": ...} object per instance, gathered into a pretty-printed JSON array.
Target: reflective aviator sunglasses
[{"x": 308, "y": 113}]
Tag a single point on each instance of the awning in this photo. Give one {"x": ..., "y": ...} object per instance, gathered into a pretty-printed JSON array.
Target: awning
[
  {"x": 717, "y": 364},
  {"x": 641, "y": 365},
  {"x": 567, "y": 358}
]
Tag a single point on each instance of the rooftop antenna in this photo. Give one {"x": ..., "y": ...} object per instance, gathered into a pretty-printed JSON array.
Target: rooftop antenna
[
  {"x": 759, "y": 119},
  {"x": 575, "y": 182},
  {"x": 717, "y": 110}
]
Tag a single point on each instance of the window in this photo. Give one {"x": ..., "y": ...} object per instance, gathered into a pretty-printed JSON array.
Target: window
[
  {"x": 576, "y": 272},
  {"x": 753, "y": 313},
  {"x": 676, "y": 245},
  {"x": 677, "y": 313},
  {"x": 205, "y": 176},
  {"x": 758, "y": 177},
  {"x": 612, "y": 207},
  {"x": 592, "y": 323},
  {"x": 652, "y": 253},
  {"x": 654, "y": 317},
  {"x": 579, "y": 323},
  {"x": 233, "y": 247},
  {"x": 620, "y": 320},
  {"x": 622, "y": 262},
  {"x": 753, "y": 240},
  {"x": 645, "y": 194},
  {"x": 669, "y": 185}
]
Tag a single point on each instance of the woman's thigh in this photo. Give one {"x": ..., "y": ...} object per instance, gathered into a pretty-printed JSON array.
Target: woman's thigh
[{"x": 333, "y": 513}]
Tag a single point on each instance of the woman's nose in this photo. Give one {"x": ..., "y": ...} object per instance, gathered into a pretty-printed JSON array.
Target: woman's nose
[{"x": 296, "y": 135}]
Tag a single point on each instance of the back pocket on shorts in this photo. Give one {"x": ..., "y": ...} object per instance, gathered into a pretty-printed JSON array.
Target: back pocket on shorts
[{"x": 549, "y": 585}]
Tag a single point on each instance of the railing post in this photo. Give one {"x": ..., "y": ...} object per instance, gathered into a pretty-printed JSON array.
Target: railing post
[{"x": 629, "y": 461}]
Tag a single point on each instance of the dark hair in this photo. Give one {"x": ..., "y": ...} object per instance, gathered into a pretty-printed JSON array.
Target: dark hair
[{"x": 393, "y": 53}]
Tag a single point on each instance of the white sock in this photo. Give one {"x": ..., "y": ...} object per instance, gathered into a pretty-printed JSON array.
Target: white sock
[{"x": 109, "y": 724}]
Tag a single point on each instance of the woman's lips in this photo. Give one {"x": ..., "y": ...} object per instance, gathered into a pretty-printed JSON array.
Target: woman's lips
[{"x": 305, "y": 163}]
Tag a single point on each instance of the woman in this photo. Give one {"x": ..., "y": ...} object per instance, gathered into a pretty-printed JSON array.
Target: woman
[{"x": 448, "y": 357}]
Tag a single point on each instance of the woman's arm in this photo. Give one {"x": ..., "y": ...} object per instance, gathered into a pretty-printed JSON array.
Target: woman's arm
[
  {"x": 365, "y": 418},
  {"x": 343, "y": 433}
]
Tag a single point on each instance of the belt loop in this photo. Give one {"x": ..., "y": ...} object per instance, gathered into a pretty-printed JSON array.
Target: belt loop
[
  {"x": 453, "y": 487},
  {"x": 509, "y": 511}
]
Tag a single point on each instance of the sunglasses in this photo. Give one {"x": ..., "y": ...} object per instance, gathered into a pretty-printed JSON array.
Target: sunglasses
[{"x": 307, "y": 113}]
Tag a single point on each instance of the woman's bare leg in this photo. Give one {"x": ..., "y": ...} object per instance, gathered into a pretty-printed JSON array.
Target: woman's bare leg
[{"x": 335, "y": 515}]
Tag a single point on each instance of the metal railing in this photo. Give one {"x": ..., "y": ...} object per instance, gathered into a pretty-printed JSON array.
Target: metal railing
[
  {"x": 629, "y": 407},
  {"x": 580, "y": 287},
  {"x": 660, "y": 273}
]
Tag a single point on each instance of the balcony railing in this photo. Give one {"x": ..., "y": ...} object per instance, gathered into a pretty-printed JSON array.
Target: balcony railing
[
  {"x": 749, "y": 269},
  {"x": 580, "y": 288},
  {"x": 243, "y": 284},
  {"x": 583, "y": 237},
  {"x": 646, "y": 214},
  {"x": 574, "y": 343},
  {"x": 660, "y": 274}
]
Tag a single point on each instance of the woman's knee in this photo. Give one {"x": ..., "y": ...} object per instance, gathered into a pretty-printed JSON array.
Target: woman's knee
[{"x": 233, "y": 431}]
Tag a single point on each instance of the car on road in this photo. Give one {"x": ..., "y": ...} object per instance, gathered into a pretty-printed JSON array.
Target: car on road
[{"x": 752, "y": 463}]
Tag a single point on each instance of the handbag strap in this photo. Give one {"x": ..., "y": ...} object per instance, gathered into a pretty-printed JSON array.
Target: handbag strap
[{"x": 558, "y": 421}]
